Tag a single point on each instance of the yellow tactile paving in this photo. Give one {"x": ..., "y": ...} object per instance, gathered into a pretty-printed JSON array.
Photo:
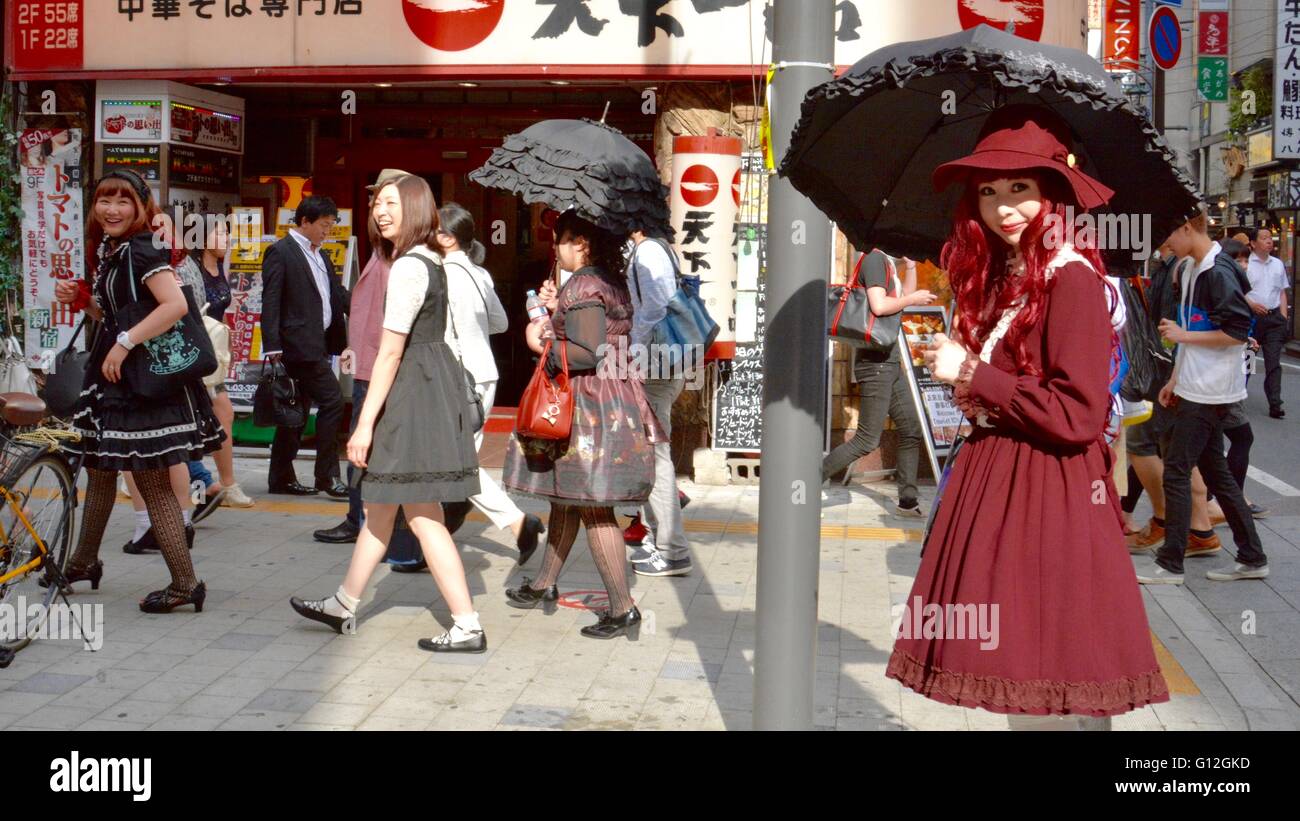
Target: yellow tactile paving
[{"x": 1180, "y": 684}]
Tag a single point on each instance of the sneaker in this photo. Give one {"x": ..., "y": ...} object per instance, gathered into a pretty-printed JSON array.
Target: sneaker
[
  {"x": 1237, "y": 572},
  {"x": 635, "y": 532},
  {"x": 1148, "y": 538},
  {"x": 1197, "y": 546},
  {"x": 913, "y": 512},
  {"x": 641, "y": 554},
  {"x": 1257, "y": 512},
  {"x": 660, "y": 565},
  {"x": 1148, "y": 572},
  {"x": 236, "y": 497},
  {"x": 210, "y": 503}
]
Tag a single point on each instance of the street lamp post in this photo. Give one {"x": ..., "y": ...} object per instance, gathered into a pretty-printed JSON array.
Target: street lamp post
[{"x": 789, "y": 519}]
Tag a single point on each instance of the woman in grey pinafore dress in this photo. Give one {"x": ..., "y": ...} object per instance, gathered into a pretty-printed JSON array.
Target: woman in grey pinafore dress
[{"x": 414, "y": 436}]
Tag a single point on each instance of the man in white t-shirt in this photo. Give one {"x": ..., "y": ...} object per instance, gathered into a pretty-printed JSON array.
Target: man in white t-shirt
[
  {"x": 1268, "y": 301},
  {"x": 652, "y": 281}
]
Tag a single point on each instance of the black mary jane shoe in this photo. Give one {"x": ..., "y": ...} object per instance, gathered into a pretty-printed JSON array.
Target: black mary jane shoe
[
  {"x": 410, "y": 567},
  {"x": 146, "y": 544},
  {"x": 167, "y": 600},
  {"x": 314, "y": 609},
  {"x": 475, "y": 643},
  {"x": 526, "y": 597},
  {"x": 610, "y": 627},
  {"x": 528, "y": 538},
  {"x": 90, "y": 574}
]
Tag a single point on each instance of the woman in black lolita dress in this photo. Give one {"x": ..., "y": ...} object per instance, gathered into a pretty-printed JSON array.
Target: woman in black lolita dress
[
  {"x": 119, "y": 429},
  {"x": 414, "y": 439}
]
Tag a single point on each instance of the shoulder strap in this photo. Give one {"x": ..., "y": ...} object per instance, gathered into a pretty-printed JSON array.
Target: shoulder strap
[
  {"x": 672, "y": 257},
  {"x": 473, "y": 280}
]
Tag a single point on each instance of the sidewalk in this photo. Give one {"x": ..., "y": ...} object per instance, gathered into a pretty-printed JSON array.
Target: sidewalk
[{"x": 249, "y": 662}]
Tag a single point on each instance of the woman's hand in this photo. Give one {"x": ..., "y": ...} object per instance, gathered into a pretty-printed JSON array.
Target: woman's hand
[
  {"x": 112, "y": 367},
  {"x": 944, "y": 358},
  {"x": 549, "y": 295},
  {"x": 66, "y": 291},
  {"x": 359, "y": 445}
]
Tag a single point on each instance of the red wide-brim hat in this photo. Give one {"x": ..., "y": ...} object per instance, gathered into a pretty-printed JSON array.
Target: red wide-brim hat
[{"x": 1023, "y": 137}]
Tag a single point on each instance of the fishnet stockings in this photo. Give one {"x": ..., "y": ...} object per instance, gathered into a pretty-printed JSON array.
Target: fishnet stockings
[
  {"x": 164, "y": 515},
  {"x": 604, "y": 537}
]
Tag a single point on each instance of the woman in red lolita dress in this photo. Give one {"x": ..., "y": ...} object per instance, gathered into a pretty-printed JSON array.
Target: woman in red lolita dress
[{"x": 1029, "y": 531}]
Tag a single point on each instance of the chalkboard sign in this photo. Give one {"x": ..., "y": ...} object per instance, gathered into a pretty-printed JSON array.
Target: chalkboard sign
[{"x": 738, "y": 403}]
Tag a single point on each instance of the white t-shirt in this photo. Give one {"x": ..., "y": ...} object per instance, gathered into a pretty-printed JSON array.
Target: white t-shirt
[
  {"x": 1267, "y": 281},
  {"x": 650, "y": 267},
  {"x": 407, "y": 284}
]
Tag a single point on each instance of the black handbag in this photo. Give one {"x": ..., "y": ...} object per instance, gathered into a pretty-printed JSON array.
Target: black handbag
[
  {"x": 1149, "y": 364},
  {"x": 851, "y": 320},
  {"x": 67, "y": 375},
  {"x": 158, "y": 367},
  {"x": 277, "y": 402}
]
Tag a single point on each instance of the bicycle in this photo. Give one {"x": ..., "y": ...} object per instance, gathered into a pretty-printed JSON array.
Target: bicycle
[{"x": 38, "y": 500}]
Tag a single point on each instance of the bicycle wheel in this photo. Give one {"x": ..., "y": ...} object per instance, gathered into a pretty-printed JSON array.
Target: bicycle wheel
[{"x": 36, "y": 509}]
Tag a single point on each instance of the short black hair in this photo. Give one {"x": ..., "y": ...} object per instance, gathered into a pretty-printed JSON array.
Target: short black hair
[
  {"x": 1233, "y": 247},
  {"x": 313, "y": 208}
]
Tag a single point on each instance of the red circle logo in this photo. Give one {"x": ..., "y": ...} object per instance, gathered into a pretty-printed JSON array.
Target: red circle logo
[
  {"x": 1023, "y": 18},
  {"x": 735, "y": 188},
  {"x": 699, "y": 186},
  {"x": 452, "y": 25}
]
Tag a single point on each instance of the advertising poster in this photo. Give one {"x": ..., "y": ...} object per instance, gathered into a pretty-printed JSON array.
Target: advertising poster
[{"x": 942, "y": 420}]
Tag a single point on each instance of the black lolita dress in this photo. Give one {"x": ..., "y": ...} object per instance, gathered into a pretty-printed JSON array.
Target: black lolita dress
[{"x": 119, "y": 429}]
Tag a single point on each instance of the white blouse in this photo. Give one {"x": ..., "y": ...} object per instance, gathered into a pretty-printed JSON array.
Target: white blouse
[{"x": 407, "y": 284}]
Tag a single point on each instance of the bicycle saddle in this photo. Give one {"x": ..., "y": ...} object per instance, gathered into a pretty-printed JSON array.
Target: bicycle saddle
[{"x": 21, "y": 409}]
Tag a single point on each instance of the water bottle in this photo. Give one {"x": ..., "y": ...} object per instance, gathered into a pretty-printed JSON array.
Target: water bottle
[{"x": 536, "y": 309}]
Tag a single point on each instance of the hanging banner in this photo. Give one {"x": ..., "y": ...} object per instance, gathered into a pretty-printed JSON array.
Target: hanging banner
[
  {"x": 705, "y": 199},
  {"x": 244, "y": 317},
  {"x": 1212, "y": 33},
  {"x": 1122, "y": 35},
  {"x": 1212, "y": 78},
  {"x": 53, "y": 234},
  {"x": 1286, "y": 84}
]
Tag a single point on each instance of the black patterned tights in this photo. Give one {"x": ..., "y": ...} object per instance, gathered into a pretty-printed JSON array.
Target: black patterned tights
[
  {"x": 604, "y": 537},
  {"x": 164, "y": 515}
]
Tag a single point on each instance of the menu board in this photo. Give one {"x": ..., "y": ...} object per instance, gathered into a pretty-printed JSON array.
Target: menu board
[
  {"x": 942, "y": 419},
  {"x": 738, "y": 402}
]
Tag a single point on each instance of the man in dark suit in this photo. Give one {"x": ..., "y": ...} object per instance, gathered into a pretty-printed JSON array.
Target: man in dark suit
[{"x": 303, "y": 309}]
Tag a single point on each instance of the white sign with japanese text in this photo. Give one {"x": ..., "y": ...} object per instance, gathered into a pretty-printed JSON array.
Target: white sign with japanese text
[
  {"x": 53, "y": 244},
  {"x": 1286, "y": 83}
]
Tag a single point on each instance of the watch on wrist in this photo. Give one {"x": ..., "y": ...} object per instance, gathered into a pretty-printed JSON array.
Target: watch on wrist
[{"x": 124, "y": 339}]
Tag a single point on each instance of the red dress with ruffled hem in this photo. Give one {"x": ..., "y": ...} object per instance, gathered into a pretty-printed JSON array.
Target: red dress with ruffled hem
[{"x": 1029, "y": 532}]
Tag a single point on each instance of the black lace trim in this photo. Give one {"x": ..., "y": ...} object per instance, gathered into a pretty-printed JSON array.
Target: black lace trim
[{"x": 419, "y": 478}]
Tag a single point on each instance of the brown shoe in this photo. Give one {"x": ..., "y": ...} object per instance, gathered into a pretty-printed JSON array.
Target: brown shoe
[
  {"x": 1150, "y": 537},
  {"x": 1197, "y": 546}
]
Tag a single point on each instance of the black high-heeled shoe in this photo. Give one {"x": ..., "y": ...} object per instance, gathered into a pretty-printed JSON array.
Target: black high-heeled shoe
[
  {"x": 526, "y": 597},
  {"x": 167, "y": 600},
  {"x": 90, "y": 574},
  {"x": 314, "y": 609},
  {"x": 610, "y": 627}
]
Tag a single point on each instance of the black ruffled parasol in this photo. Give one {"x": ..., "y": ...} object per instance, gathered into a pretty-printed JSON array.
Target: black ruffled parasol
[
  {"x": 867, "y": 142},
  {"x": 585, "y": 165}
]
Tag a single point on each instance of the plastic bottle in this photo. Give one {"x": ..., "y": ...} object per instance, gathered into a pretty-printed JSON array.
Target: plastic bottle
[{"x": 536, "y": 309}]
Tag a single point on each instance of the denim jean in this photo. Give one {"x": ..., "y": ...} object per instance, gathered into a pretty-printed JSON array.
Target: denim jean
[
  {"x": 198, "y": 471},
  {"x": 663, "y": 513},
  {"x": 1196, "y": 440}
]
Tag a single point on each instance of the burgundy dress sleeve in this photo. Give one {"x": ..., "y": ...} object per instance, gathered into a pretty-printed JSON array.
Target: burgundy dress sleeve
[{"x": 1070, "y": 402}]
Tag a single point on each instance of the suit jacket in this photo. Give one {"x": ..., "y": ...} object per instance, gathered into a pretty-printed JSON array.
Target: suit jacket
[{"x": 291, "y": 306}]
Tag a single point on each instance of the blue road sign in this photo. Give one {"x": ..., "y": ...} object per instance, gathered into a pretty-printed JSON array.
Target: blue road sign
[{"x": 1165, "y": 37}]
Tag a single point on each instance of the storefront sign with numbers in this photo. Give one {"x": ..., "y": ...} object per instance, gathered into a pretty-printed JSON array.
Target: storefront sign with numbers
[
  {"x": 1286, "y": 82},
  {"x": 1212, "y": 78},
  {"x": 142, "y": 159},
  {"x": 53, "y": 249}
]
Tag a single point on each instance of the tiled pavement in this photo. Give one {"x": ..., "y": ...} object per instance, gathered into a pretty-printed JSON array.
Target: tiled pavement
[{"x": 248, "y": 662}]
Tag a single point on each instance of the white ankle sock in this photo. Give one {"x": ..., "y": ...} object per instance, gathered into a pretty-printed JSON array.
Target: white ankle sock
[
  {"x": 141, "y": 524},
  {"x": 464, "y": 625},
  {"x": 186, "y": 514},
  {"x": 345, "y": 605}
]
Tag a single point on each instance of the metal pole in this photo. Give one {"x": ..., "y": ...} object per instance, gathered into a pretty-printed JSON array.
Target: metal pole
[{"x": 789, "y": 518}]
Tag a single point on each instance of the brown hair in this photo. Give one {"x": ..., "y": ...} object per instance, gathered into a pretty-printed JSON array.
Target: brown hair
[
  {"x": 115, "y": 187},
  {"x": 1200, "y": 223},
  {"x": 419, "y": 218}
]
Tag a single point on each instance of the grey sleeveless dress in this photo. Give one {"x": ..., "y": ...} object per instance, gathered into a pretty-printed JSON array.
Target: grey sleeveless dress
[{"x": 423, "y": 447}]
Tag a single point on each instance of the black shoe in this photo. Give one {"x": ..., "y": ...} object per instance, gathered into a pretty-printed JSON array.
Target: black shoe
[
  {"x": 610, "y": 627},
  {"x": 1277, "y": 413},
  {"x": 90, "y": 574},
  {"x": 528, "y": 536},
  {"x": 410, "y": 567},
  {"x": 453, "y": 514},
  {"x": 526, "y": 597},
  {"x": 292, "y": 489},
  {"x": 475, "y": 643},
  {"x": 189, "y": 537},
  {"x": 343, "y": 534},
  {"x": 146, "y": 544},
  {"x": 314, "y": 609},
  {"x": 210, "y": 503},
  {"x": 167, "y": 600},
  {"x": 334, "y": 487}
]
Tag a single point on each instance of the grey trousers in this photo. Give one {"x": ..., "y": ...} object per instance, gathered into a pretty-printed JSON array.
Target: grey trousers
[{"x": 662, "y": 514}]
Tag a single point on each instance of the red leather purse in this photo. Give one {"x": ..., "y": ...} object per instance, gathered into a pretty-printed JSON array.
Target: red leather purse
[{"x": 546, "y": 407}]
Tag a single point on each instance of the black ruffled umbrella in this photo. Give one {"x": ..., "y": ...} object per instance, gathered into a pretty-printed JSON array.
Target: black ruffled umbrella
[
  {"x": 585, "y": 165},
  {"x": 868, "y": 141}
]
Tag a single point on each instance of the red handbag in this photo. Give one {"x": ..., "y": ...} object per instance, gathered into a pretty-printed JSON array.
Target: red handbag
[{"x": 546, "y": 407}]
